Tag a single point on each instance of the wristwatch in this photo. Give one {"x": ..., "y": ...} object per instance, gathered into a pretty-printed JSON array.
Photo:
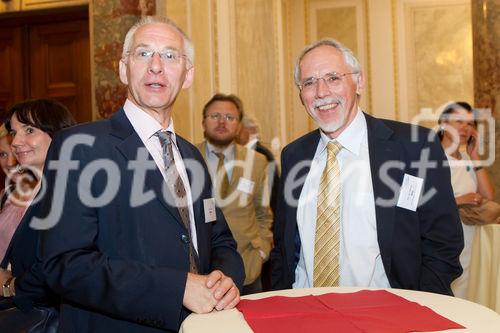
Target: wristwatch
[{"x": 6, "y": 288}]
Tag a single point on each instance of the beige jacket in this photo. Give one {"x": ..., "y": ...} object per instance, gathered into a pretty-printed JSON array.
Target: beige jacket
[{"x": 248, "y": 214}]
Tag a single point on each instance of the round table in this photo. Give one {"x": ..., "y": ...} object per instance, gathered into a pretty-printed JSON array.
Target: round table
[
  {"x": 475, "y": 317},
  {"x": 484, "y": 278}
]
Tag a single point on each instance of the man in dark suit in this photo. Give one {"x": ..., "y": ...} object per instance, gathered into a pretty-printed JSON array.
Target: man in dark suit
[
  {"x": 135, "y": 241},
  {"x": 363, "y": 201}
]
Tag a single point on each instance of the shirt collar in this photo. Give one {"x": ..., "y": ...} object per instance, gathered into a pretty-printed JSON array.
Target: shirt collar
[
  {"x": 228, "y": 151},
  {"x": 145, "y": 125},
  {"x": 351, "y": 137}
]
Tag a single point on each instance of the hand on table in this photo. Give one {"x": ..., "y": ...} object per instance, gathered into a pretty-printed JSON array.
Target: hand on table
[
  {"x": 224, "y": 290},
  {"x": 203, "y": 293},
  {"x": 197, "y": 297}
]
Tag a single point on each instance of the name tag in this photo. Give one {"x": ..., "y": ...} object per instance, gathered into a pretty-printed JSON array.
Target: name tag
[
  {"x": 245, "y": 185},
  {"x": 410, "y": 192},
  {"x": 209, "y": 208}
]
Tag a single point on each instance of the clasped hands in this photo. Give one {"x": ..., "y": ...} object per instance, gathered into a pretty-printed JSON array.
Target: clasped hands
[
  {"x": 203, "y": 293},
  {"x": 472, "y": 198},
  {"x": 5, "y": 274}
]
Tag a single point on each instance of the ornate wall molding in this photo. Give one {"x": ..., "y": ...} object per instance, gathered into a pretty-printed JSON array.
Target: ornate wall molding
[{"x": 434, "y": 61}]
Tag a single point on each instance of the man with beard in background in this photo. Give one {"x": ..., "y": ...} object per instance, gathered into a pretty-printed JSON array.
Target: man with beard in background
[{"x": 239, "y": 176}]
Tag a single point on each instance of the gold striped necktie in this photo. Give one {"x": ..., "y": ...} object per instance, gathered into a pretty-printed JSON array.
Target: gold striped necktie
[
  {"x": 327, "y": 240},
  {"x": 222, "y": 179}
]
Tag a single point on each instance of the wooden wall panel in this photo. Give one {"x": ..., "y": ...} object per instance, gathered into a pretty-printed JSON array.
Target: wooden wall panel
[
  {"x": 11, "y": 75},
  {"x": 434, "y": 55},
  {"x": 250, "y": 48},
  {"x": 256, "y": 61}
]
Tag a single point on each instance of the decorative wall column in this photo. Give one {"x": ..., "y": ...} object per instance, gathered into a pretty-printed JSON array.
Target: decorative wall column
[
  {"x": 486, "y": 43},
  {"x": 110, "y": 21}
]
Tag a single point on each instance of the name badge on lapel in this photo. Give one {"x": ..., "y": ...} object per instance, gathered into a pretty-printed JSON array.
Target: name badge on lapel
[
  {"x": 410, "y": 192},
  {"x": 245, "y": 185},
  {"x": 209, "y": 208}
]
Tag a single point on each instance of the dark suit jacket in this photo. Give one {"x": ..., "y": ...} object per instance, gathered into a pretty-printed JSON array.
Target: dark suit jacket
[
  {"x": 276, "y": 175},
  {"x": 420, "y": 249},
  {"x": 119, "y": 268}
]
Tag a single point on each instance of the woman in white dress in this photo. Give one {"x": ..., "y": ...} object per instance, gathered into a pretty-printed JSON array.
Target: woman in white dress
[{"x": 470, "y": 181}]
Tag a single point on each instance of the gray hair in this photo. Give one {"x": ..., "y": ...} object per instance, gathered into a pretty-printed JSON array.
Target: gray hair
[
  {"x": 249, "y": 121},
  {"x": 349, "y": 57},
  {"x": 129, "y": 37}
]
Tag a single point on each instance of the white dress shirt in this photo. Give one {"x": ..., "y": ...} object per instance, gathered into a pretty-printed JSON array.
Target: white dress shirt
[
  {"x": 146, "y": 127},
  {"x": 360, "y": 258}
]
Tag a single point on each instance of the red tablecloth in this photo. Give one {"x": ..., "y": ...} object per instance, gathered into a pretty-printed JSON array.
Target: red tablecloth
[{"x": 358, "y": 312}]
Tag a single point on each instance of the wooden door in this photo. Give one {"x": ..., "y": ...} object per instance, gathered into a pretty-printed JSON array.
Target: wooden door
[
  {"x": 46, "y": 53},
  {"x": 11, "y": 73},
  {"x": 60, "y": 65}
]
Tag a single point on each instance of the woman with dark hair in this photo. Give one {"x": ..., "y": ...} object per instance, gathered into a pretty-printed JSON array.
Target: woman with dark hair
[
  {"x": 470, "y": 181},
  {"x": 31, "y": 124}
]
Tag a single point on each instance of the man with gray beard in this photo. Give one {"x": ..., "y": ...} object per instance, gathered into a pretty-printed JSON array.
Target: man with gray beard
[{"x": 363, "y": 202}]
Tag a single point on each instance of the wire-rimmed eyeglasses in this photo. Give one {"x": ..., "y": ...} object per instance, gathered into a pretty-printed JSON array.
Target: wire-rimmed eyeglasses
[
  {"x": 332, "y": 79},
  {"x": 167, "y": 56},
  {"x": 218, "y": 116}
]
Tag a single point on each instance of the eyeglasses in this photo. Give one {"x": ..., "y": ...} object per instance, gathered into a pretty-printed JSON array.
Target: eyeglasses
[
  {"x": 217, "y": 116},
  {"x": 332, "y": 80},
  {"x": 167, "y": 56}
]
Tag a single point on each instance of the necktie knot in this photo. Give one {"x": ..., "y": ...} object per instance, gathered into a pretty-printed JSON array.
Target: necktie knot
[
  {"x": 220, "y": 156},
  {"x": 164, "y": 136},
  {"x": 333, "y": 148},
  {"x": 166, "y": 146}
]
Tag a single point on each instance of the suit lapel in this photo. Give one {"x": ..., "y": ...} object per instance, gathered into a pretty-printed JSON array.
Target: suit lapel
[
  {"x": 304, "y": 153},
  {"x": 381, "y": 150},
  {"x": 131, "y": 143},
  {"x": 237, "y": 172}
]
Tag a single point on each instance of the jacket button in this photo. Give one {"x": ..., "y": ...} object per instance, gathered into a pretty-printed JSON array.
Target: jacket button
[{"x": 185, "y": 239}]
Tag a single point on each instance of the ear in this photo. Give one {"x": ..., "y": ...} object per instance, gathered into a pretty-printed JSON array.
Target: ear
[
  {"x": 360, "y": 84},
  {"x": 123, "y": 71},
  {"x": 301, "y": 100},
  {"x": 203, "y": 122},
  {"x": 188, "y": 80}
]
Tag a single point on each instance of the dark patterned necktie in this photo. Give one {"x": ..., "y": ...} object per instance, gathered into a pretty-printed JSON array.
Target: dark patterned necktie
[{"x": 176, "y": 187}]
